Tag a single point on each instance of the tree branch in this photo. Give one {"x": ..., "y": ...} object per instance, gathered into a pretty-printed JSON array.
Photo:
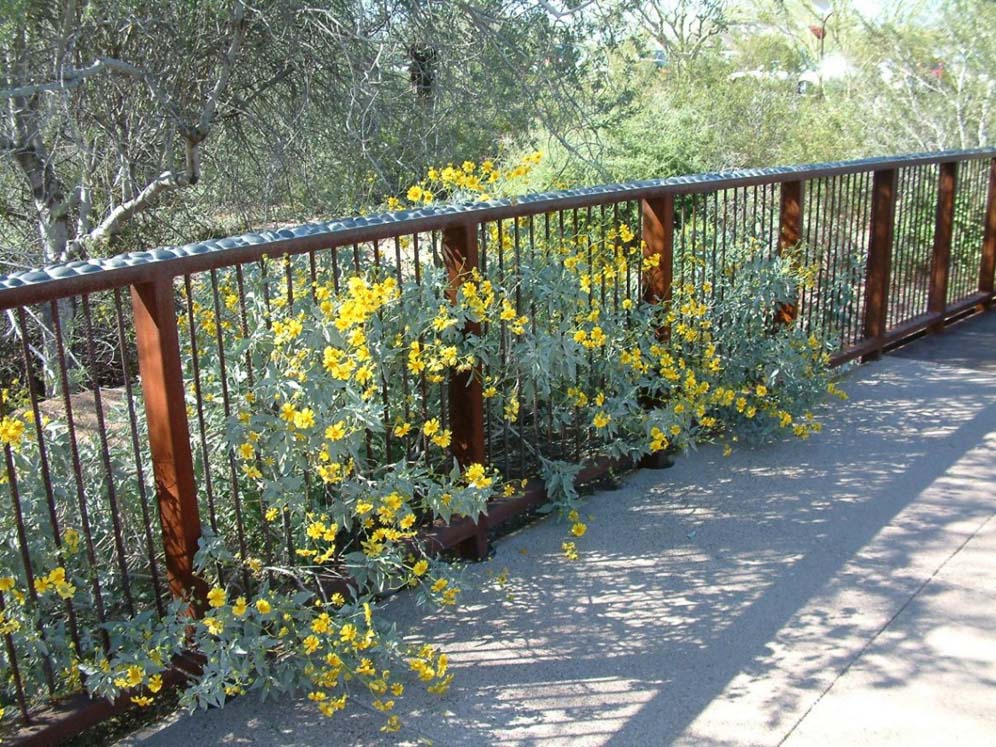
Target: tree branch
[
  {"x": 165, "y": 182},
  {"x": 72, "y": 77},
  {"x": 225, "y": 68}
]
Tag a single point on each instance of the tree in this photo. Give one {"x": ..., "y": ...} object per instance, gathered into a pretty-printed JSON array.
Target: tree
[
  {"x": 98, "y": 136},
  {"x": 932, "y": 79}
]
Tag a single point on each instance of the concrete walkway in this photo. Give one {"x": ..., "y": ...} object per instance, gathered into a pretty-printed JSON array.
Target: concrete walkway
[{"x": 836, "y": 591}]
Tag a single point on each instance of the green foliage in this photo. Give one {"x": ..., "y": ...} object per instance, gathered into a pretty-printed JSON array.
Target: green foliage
[{"x": 319, "y": 398}]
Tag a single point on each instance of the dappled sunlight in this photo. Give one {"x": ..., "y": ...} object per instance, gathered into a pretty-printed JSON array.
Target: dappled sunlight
[{"x": 699, "y": 603}]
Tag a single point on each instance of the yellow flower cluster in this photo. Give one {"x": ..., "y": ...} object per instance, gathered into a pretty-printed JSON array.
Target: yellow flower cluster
[
  {"x": 11, "y": 431},
  {"x": 55, "y": 580},
  {"x": 430, "y": 664},
  {"x": 480, "y": 180},
  {"x": 476, "y": 476},
  {"x": 476, "y": 296}
]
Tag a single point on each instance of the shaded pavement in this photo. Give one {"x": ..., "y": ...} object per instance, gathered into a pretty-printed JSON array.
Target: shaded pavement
[{"x": 840, "y": 590}]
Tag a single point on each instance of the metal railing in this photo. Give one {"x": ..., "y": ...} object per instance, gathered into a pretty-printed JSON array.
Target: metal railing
[{"x": 914, "y": 236}]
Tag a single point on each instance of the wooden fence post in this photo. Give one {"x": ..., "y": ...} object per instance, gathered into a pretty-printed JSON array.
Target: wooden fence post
[
  {"x": 883, "y": 210},
  {"x": 940, "y": 269},
  {"x": 169, "y": 435},
  {"x": 988, "y": 265},
  {"x": 658, "y": 241},
  {"x": 789, "y": 236},
  {"x": 460, "y": 254}
]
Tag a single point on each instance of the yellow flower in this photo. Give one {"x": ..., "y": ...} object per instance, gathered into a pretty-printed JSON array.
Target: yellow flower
[
  {"x": 263, "y": 607},
  {"x": 329, "y": 707},
  {"x": 430, "y": 427},
  {"x": 601, "y": 420},
  {"x": 135, "y": 675},
  {"x": 214, "y": 625},
  {"x": 761, "y": 390},
  {"x": 477, "y": 477},
  {"x": 336, "y": 431},
  {"x": 65, "y": 589},
  {"x": 420, "y": 568},
  {"x": 414, "y": 193},
  {"x": 511, "y": 408},
  {"x": 246, "y": 451},
  {"x": 155, "y": 683},
  {"x": 304, "y": 418},
  {"x": 402, "y": 429},
  {"x": 570, "y": 550},
  {"x": 392, "y": 724},
  {"x": 72, "y": 540},
  {"x": 142, "y": 701},
  {"x": 6, "y": 583},
  {"x": 217, "y": 597},
  {"x": 311, "y": 644},
  {"x": 347, "y": 633},
  {"x": 11, "y": 431},
  {"x": 442, "y": 439},
  {"x": 239, "y": 608},
  {"x": 578, "y": 529},
  {"x": 440, "y": 584}
]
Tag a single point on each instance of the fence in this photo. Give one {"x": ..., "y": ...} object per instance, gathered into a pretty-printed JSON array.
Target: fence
[{"x": 142, "y": 365}]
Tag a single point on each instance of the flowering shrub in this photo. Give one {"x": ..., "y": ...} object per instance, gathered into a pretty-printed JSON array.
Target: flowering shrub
[{"x": 319, "y": 394}]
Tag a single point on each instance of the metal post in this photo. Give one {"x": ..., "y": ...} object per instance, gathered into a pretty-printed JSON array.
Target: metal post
[
  {"x": 940, "y": 270},
  {"x": 883, "y": 211},
  {"x": 169, "y": 435},
  {"x": 460, "y": 254}
]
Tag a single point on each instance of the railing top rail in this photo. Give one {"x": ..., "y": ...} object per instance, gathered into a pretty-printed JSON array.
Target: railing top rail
[{"x": 165, "y": 263}]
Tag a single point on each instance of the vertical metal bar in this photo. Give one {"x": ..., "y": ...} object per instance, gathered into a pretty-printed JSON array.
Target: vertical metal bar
[
  {"x": 790, "y": 233},
  {"x": 15, "y": 672},
  {"x": 29, "y": 576},
  {"x": 202, "y": 427},
  {"x": 105, "y": 453},
  {"x": 74, "y": 452},
  {"x": 460, "y": 253},
  {"x": 899, "y": 245},
  {"x": 937, "y": 299},
  {"x": 43, "y": 465},
  {"x": 857, "y": 323},
  {"x": 169, "y": 433},
  {"x": 828, "y": 300},
  {"x": 883, "y": 211},
  {"x": 289, "y": 276},
  {"x": 988, "y": 263}
]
